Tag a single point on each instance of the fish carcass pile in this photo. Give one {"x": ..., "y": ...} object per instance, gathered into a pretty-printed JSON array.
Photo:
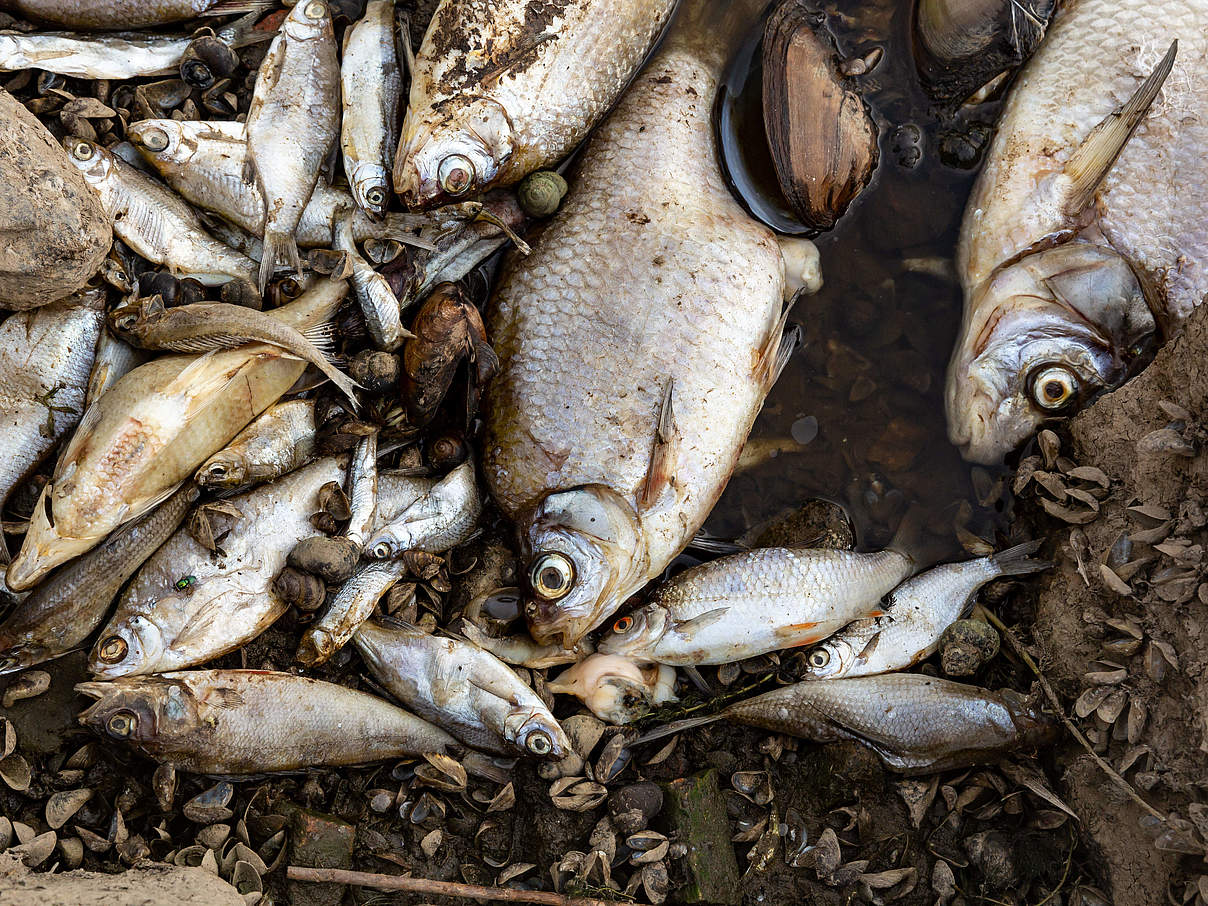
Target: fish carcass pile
[{"x": 374, "y": 370}]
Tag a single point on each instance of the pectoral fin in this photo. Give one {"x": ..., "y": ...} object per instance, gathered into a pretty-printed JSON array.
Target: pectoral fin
[
  {"x": 776, "y": 352},
  {"x": 662, "y": 452},
  {"x": 687, "y": 627}
]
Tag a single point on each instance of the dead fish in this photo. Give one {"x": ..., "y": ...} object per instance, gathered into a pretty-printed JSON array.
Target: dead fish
[
  {"x": 456, "y": 685},
  {"x": 203, "y": 161},
  {"x": 396, "y": 492},
  {"x": 610, "y": 467},
  {"x": 501, "y": 88},
  {"x": 64, "y": 609},
  {"x": 186, "y": 606},
  {"x": 114, "y": 360},
  {"x": 279, "y": 441},
  {"x": 523, "y": 651},
  {"x": 124, "y": 13},
  {"x": 372, "y": 84},
  {"x": 46, "y": 357},
  {"x": 363, "y": 490},
  {"x": 154, "y": 222},
  {"x": 1084, "y": 238},
  {"x": 351, "y": 606},
  {"x": 753, "y": 602},
  {"x": 293, "y": 119},
  {"x": 617, "y": 689},
  {"x": 206, "y": 326},
  {"x": 151, "y": 430},
  {"x": 441, "y": 519},
  {"x": 916, "y": 724},
  {"x": 235, "y": 722},
  {"x": 379, "y": 304},
  {"x": 916, "y": 615}
]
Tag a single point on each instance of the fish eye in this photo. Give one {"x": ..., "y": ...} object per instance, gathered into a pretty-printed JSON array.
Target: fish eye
[
  {"x": 539, "y": 743},
  {"x": 552, "y": 576},
  {"x": 218, "y": 470},
  {"x": 155, "y": 139},
  {"x": 376, "y": 195},
  {"x": 381, "y": 551},
  {"x": 819, "y": 658},
  {"x": 122, "y": 723},
  {"x": 290, "y": 287},
  {"x": 113, "y": 649},
  {"x": 623, "y": 625},
  {"x": 82, "y": 150},
  {"x": 315, "y": 10},
  {"x": 456, "y": 173},
  {"x": 1054, "y": 388}
]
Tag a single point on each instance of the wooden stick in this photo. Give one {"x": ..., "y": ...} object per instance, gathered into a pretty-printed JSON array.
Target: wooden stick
[{"x": 436, "y": 888}]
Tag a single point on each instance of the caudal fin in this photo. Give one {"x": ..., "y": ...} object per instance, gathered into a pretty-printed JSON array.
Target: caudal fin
[
  {"x": 279, "y": 248},
  {"x": 1018, "y": 561}
]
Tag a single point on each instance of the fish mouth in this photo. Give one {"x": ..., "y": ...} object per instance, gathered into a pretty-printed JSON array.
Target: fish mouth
[
  {"x": 547, "y": 624},
  {"x": 96, "y": 689}
]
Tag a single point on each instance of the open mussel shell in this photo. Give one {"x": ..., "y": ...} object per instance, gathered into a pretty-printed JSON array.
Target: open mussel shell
[
  {"x": 822, "y": 139},
  {"x": 206, "y": 61},
  {"x": 961, "y": 45}
]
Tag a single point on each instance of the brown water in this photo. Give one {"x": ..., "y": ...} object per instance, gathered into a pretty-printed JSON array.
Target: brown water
[{"x": 865, "y": 391}]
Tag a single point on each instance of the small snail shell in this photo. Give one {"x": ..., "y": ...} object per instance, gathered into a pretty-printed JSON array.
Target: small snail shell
[
  {"x": 304, "y": 591},
  {"x": 541, "y": 193},
  {"x": 331, "y": 559}
]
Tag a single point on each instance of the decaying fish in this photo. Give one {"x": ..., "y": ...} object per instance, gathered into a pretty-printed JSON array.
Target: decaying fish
[
  {"x": 119, "y": 13},
  {"x": 154, "y": 222},
  {"x": 916, "y": 724},
  {"x": 233, "y": 722},
  {"x": 379, "y": 304},
  {"x": 205, "y": 326},
  {"x": 463, "y": 688},
  {"x": 46, "y": 357},
  {"x": 1084, "y": 236},
  {"x": 610, "y": 467},
  {"x": 501, "y": 88},
  {"x": 396, "y": 492},
  {"x": 753, "y": 602},
  {"x": 64, "y": 609},
  {"x": 372, "y": 84},
  {"x": 916, "y": 615},
  {"x": 114, "y": 360},
  {"x": 617, "y": 689},
  {"x": 151, "y": 430},
  {"x": 203, "y": 161},
  {"x": 441, "y": 519},
  {"x": 279, "y": 441},
  {"x": 351, "y": 606},
  {"x": 293, "y": 120},
  {"x": 186, "y": 606},
  {"x": 363, "y": 490},
  {"x": 523, "y": 651}
]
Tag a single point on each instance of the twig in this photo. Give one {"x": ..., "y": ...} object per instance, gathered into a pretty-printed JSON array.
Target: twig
[
  {"x": 436, "y": 888},
  {"x": 1018, "y": 648}
]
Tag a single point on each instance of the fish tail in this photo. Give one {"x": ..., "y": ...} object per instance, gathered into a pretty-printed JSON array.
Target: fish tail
[
  {"x": 676, "y": 726},
  {"x": 279, "y": 248},
  {"x": 243, "y": 32},
  {"x": 321, "y": 337},
  {"x": 254, "y": 8},
  {"x": 1017, "y": 560}
]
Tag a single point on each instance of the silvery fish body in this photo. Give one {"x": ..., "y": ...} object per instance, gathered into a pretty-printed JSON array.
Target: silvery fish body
[
  {"x": 379, "y": 304},
  {"x": 1069, "y": 273},
  {"x": 372, "y": 85},
  {"x": 473, "y": 694},
  {"x": 233, "y": 722},
  {"x": 151, "y": 430},
  {"x": 280, "y": 440},
  {"x": 670, "y": 295},
  {"x": 154, "y": 222},
  {"x": 159, "y": 626},
  {"x": 46, "y": 357},
  {"x": 441, "y": 519},
  {"x": 363, "y": 490},
  {"x": 350, "y": 607},
  {"x": 114, "y": 360},
  {"x": 108, "y": 13},
  {"x": 753, "y": 602},
  {"x": 505, "y": 87}
]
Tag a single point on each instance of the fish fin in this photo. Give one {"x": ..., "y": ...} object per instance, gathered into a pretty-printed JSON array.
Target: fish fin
[
  {"x": 230, "y": 7},
  {"x": 1094, "y": 158},
  {"x": 88, "y": 422},
  {"x": 392, "y": 622},
  {"x": 403, "y": 42},
  {"x": 702, "y": 541},
  {"x": 776, "y": 351},
  {"x": 708, "y": 618},
  {"x": 249, "y": 174},
  {"x": 225, "y": 697},
  {"x": 869, "y": 647},
  {"x": 662, "y": 459},
  {"x": 792, "y": 633},
  {"x": 279, "y": 248},
  {"x": 193, "y": 382},
  {"x": 674, "y": 727},
  {"x": 243, "y": 32},
  {"x": 1017, "y": 560},
  {"x": 322, "y": 337}
]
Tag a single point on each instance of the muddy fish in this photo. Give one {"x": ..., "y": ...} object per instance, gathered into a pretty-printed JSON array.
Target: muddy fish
[
  {"x": 372, "y": 83},
  {"x": 1084, "y": 237},
  {"x": 916, "y": 615},
  {"x": 205, "y": 326},
  {"x": 121, "y": 13},
  {"x": 46, "y": 357},
  {"x": 610, "y": 467},
  {"x": 441, "y": 519},
  {"x": 186, "y": 606},
  {"x": 293, "y": 119},
  {"x": 279, "y": 441},
  {"x": 64, "y": 609},
  {"x": 233, "y": 722},
  {"x": 916, "y": 724},
  {"x": 151, "y": 430},
  {"x": 154, "y": 222},
  {"x": 459, "y": 686},
  {"x": 617, "y": 689},
  {"x": 753, "y": 602},
  {"x": 203, "y": 161},
  {"x": 500, "y": 89}
]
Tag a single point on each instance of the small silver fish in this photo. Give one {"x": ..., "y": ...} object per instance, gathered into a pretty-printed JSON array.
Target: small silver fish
[
  {"x": 379, "y": 304},
  {"x": 617, "y": 689},
  {"x": 110, "y": 13},
  {"x": 362, "y": 490},
  {"x": 441, "y": 519},
  {"x": 279, "y": 441},
  {"x": 351, "y": 606},
  {"x": 372, "y": 84}
]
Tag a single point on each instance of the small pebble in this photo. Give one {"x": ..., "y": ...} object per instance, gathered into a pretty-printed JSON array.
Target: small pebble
[{"x": 804, "y": 430}]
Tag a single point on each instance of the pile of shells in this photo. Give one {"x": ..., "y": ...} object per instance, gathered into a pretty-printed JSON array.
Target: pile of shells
[{"x": 1064, "y": 489}]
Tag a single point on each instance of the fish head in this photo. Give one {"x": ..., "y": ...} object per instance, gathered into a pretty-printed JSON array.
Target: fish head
[
  {"x": 585, "y": 555},
  {"x": 129, "y": 648},
  {"x": 155, "y": 714},
  {"x": 616, "y": 689},
  {"x": 224, "y": 470},
  {"x": 370, "y": 186},
  {"x": 454, "y": 152},
  {"x": 90, "y": 159},
  {"x": 534, "y": 732},
  {"x": 44, "y": 547},
  {"x": 307, "y": 21},
  {"x": 161, "y": 141},
  {"x": 834, "y": 657},
  {"x": 1061, "y": 325},
  {"x": 635, "y": 633}
]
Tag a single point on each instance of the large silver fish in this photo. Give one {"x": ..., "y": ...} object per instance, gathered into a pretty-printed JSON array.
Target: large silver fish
[
  {"x": 637, "y": 343},
  {"x": 501, "y": 88},
  {"x": 1085, "y": 234}
]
